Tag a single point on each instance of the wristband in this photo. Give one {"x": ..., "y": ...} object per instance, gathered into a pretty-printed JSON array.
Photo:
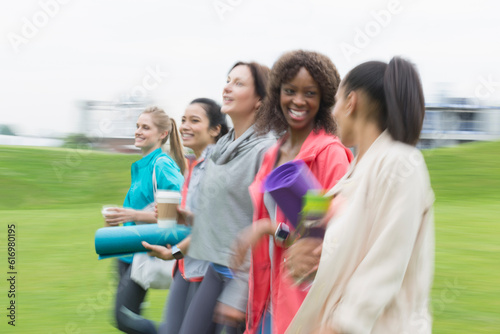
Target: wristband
[
  {"x": 282, "y": 232},
  {"x": 176, "y": 252}
]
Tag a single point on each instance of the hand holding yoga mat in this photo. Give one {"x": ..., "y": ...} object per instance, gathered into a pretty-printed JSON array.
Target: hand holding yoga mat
[
  {"x": 287, "y": 184},
  {"x": 126, "y": 240}
]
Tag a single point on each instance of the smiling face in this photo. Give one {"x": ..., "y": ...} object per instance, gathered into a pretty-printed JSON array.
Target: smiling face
[
  {"x": 195, "y": 129},
  {"x": 239, "y": 96},
  {"x": 300, "y": 100},
  {"x": 147, "y": 135}
]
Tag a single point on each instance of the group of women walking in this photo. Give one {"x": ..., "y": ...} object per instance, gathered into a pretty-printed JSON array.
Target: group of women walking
[{"x": 372, "y": 270}]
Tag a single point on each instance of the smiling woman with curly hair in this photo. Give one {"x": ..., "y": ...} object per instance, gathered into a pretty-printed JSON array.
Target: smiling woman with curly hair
[
  {"x": 271, "y": 118},
  {"x": 301, "y": 94}
]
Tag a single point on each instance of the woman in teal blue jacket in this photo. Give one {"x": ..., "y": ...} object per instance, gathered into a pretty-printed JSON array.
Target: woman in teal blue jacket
[{"x": 154, "y": 127}]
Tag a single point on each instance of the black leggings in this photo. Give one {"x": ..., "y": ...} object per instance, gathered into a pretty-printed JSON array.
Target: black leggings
[
  {"x": 199, "y": 313},
  {"x": 129, "y": 298}
]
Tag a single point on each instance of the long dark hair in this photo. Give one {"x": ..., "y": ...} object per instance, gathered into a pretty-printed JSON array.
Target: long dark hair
[{"x": 396, "y": 93}]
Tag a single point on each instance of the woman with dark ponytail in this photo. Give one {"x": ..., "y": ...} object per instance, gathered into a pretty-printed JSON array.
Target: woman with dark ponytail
[
  {"x": 202, "y": 125},
  {"x": 376, "y": 268}
]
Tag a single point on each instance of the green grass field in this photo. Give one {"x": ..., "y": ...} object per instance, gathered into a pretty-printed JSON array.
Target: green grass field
[{"x": 54, "y": 197}]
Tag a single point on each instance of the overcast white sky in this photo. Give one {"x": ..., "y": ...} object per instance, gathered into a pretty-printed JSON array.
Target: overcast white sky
[{"x": 91, "y": 49}]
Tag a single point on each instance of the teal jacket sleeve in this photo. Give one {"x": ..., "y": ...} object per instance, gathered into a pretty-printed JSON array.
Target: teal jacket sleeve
[{"x": 168, "y": 174}]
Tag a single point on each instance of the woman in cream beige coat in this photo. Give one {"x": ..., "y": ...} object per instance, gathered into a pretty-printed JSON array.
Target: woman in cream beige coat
[{"x": 376, "y": 267}]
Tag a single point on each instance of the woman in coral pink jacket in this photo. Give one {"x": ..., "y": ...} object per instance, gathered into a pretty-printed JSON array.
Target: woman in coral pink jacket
[{"x": 301, "y": 95}]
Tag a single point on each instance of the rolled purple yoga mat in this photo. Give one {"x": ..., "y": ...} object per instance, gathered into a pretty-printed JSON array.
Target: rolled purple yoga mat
[{"x": 287, "y": 184}]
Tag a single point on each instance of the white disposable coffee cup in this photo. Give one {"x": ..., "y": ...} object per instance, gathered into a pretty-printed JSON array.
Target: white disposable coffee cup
[
  {"x": 109, "y": 209},
  {"x": 167, "y": 202}
]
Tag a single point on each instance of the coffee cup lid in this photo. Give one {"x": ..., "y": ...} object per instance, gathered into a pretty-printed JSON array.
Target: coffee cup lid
[{"x": 168, "y": 194}]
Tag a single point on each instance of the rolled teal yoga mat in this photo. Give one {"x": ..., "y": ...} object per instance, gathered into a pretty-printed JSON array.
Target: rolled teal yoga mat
[{"x": 126, "y": 240}]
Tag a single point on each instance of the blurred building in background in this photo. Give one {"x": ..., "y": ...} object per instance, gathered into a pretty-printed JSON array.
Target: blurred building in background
[
  {"x": 455, "y": 121},
  {"x": 110, "y": 125}
]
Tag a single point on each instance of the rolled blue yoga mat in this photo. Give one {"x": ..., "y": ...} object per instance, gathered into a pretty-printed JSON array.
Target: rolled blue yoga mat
[{"x": 126, "y": 240}]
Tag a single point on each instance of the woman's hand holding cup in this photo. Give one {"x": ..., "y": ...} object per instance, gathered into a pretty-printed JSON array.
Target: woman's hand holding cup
[{"x": 108, "y": 212}]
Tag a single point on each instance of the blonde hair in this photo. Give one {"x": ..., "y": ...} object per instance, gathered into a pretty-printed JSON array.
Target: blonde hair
[{"x": 165, "y": 123}]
